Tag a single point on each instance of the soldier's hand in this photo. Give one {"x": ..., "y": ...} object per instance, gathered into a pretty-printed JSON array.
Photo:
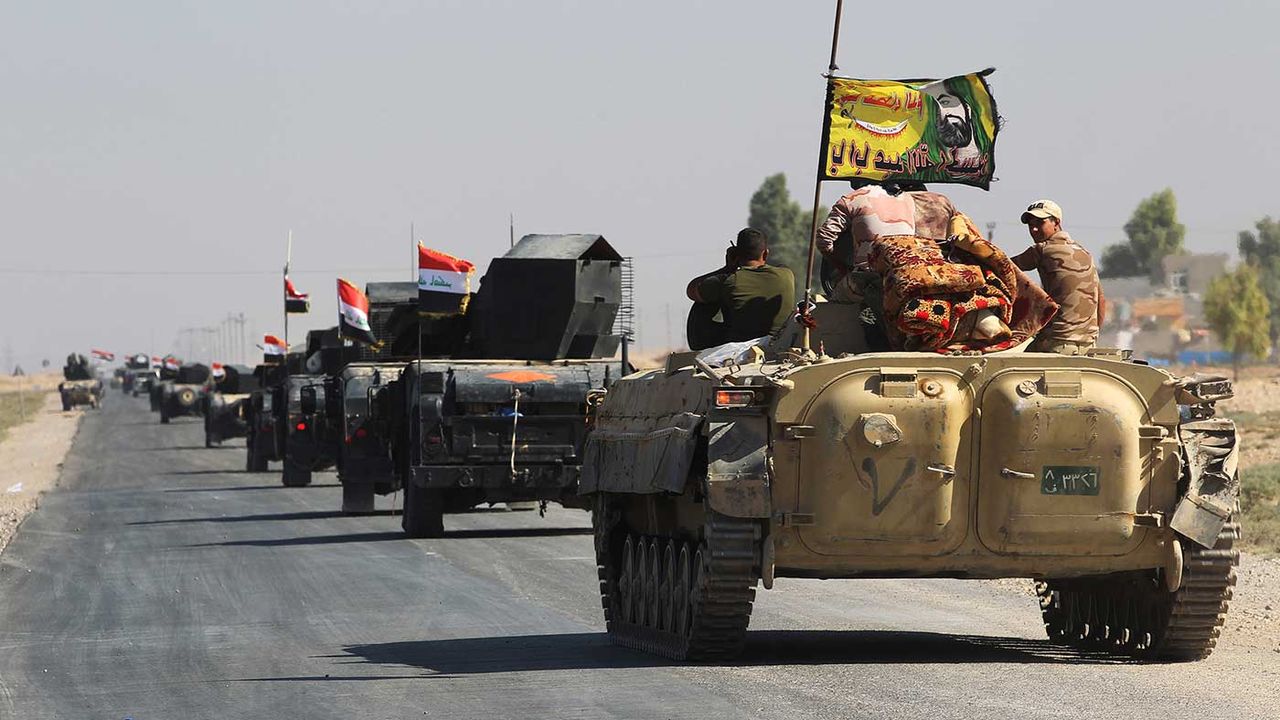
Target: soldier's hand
[{"x": 731, "y": 257}]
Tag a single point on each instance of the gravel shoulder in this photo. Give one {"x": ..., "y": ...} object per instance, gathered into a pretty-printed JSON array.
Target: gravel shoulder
[{"x": 31, "y": 458}]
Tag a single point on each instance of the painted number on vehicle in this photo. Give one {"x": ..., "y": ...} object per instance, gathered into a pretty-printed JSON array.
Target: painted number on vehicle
[{"x": 1069, "y": 480}]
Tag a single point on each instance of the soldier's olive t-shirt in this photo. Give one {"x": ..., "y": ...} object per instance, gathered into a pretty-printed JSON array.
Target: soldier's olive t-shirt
[{"x": 755, "y": 301}]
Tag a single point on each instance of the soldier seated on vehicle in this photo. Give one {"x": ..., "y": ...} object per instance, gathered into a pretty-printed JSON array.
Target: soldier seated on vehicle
[{"x": 752, "y": 297}]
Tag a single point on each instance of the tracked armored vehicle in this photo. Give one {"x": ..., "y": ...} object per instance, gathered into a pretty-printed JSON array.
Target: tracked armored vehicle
[
  {"x": 80, "y": 386},
  {"x": 1109, "y": 482},
  {"x": 502, "y": 417}
]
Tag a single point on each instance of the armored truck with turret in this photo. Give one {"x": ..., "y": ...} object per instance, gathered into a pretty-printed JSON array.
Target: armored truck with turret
[
  {"x": 138, "y": 374},
  {"x": 264, "y": 441},
  {"x": 166, "y": 374},
  {"x": 225, "y": 407},
  {"x": 80, "y": 385},
  {"x": 1111, "y": 483},
  {"x": 502, "y": 416},
  {"x": 183, "y": 396}
]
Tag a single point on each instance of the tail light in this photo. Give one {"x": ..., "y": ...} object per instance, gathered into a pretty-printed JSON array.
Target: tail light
[
  {"x": 735, "y": 398},
  {"x": 361, "y": 433},
  {"x": 301, "y": 426}
]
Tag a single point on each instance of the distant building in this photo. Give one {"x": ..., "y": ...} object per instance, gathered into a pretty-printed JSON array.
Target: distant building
[{"x": 1161, "y": 317}]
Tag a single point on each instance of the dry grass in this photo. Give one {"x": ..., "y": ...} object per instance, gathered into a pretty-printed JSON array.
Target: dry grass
[
  {"x": 1260, "y": 500},
  {"x": 16, "y": 408}
]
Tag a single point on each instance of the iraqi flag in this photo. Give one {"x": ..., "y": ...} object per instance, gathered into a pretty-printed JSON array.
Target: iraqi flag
[
  {"x": 294, "y": 301},
  {"x": 103, "y": 354},
  {"x": 219, "y": 372},
  {"x": 273, "y": 350},
  {"x": 156, "y": 362},
  {"x": 172, "y": 363},
  {"x": 444, "y": 282},
  {"x": 353, "y": 315}
]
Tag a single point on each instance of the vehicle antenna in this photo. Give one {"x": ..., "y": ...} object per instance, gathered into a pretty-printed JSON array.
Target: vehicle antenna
[
  {"x": 817, "y": 185},
  {"x": 288, "y": 257}
]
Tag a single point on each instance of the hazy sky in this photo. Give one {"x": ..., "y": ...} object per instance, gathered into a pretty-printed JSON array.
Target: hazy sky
[{"x": 153, "y": 155}]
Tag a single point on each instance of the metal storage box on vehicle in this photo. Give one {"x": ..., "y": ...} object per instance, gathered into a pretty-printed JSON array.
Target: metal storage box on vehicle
[{"x": 576, "y": 280}]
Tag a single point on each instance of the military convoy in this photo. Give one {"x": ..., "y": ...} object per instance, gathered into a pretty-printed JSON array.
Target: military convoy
[
  {"x": 1110, "y": 482},
  {"x": 80, "y": 385}
]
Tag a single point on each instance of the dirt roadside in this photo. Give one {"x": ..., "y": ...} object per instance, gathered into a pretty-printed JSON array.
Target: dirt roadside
[{"x": 31, "y": 458}]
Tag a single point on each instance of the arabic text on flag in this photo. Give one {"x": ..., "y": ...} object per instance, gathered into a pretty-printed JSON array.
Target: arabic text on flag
[{"x": 921, "y": 130}]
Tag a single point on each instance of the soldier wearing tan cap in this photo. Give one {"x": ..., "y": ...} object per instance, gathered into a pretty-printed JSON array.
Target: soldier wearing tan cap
[{"x": 1069, "y": 275}]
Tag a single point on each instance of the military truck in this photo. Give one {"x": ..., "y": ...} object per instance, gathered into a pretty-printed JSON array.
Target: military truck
[
  {"x": 363, "y": 450},
  {"x": 225, "y": 408},
  {"x": 138, "y": 374},
  {"x": 1110, "y": 482},
  {"x": 264, "y": 426},
  {"x": 166, "y": 374},
  {"x": 184, "y": 395},
  {"x": 81, "y": 385},
  {"x": 503, "y": 417}
]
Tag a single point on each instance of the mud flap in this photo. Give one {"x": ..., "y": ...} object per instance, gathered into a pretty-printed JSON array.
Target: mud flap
[
  {"x": 738, "y": 466},
  {"x": 1214, "y": 487}
]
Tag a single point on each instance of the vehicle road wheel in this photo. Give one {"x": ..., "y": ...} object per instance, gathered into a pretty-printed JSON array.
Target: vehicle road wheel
[
  {"x": 669, "y": 597},
  {"x": 164, "y": 416},
  {"x": 357, "y": 498},
  {"x": 208, "y": 440},
  {"x": 66, "y": 406},
  {"x": 295, "y": 475},
  {"x": 423, "y": 512}
]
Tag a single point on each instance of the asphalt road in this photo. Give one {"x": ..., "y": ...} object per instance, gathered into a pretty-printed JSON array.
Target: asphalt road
[{"x": 160, "y": 582}]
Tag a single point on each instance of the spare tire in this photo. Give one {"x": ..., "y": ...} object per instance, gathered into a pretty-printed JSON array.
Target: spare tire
[{"x": 187, "y": 397}]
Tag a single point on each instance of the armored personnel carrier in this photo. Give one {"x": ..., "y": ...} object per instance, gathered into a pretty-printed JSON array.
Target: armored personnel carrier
[
  {"x": 225, "y": 408},
  {"x": 504, "y": 417},
  {"x": 1111, "y": 483},
  {"x": 80, "y": 385},
  {"x": 184, "y": 395}
]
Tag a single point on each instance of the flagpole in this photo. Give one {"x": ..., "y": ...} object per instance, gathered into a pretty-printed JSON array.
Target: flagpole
[
  {"x": 288, "y": 257},
  {"x": 822, "y": 160}
]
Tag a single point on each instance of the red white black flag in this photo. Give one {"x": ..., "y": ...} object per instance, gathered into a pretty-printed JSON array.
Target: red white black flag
[
  {"x": 353, "y": 315},
  {"x": 294, "y": 301},
  {"x": 172, "y": 363},
  {"x": 273, "y": 349},
  {"x": 103, "y": 355},
  {"x": 444, "y": 282},
  {"x": 219, "y": 372}
]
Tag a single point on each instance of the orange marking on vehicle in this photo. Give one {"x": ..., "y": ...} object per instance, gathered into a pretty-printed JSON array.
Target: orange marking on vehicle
[{"x": 521, "y": 376}]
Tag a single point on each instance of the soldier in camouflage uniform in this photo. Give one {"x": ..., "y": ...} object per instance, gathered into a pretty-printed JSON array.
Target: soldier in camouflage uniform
[{"x": 1069, "y": 276}]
